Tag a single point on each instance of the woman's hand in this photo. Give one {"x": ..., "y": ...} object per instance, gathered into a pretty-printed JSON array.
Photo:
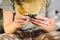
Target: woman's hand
[
  {"x": 44, "y": 23},
  {"x": 21, "y": 20},
  {"x": 11, "y": 26}
]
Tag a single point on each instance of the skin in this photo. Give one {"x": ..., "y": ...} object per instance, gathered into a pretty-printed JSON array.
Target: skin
[
  {"x": 11, "y": 26},
  {"x": 47, "y": 24}
]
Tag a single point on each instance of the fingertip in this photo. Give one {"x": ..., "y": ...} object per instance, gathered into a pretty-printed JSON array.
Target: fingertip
[
  {"x": 32, "y": 19},
  {"x": 27, "y": 17},
  {"x": 38, "y": 17}
]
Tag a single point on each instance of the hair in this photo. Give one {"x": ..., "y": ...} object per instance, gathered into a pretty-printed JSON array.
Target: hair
[
  {"x": 49, "y": 36},
  {"x": 21, "y": 9}
]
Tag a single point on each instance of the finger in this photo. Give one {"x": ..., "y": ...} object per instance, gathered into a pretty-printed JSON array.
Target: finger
[
  {"x": 19, "y": 21},
  {"x": 42, "y": 28},
  {"x": 21, "y": 25},
  {"x": 21, "y": 17},
  {"x": 42, "y": 18},
  {"x": 39, "y": 24},
  {"x": 27, "y": 20},
  {"x": 40, "y": 21}
]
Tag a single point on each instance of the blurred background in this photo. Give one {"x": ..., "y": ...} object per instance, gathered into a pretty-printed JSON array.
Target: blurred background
[{"x": 8, "y": 5}]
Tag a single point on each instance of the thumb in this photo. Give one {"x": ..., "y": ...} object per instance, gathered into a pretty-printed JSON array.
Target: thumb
[{"x": 52, "y": 21}]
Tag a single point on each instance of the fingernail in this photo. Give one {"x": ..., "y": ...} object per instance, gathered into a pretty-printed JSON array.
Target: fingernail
[{"x": 36, "y": 17}]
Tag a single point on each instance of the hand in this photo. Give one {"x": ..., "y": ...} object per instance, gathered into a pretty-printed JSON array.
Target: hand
[
  {"x": 21, "y": 20},
  {"x": 44, "y": 23}
]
